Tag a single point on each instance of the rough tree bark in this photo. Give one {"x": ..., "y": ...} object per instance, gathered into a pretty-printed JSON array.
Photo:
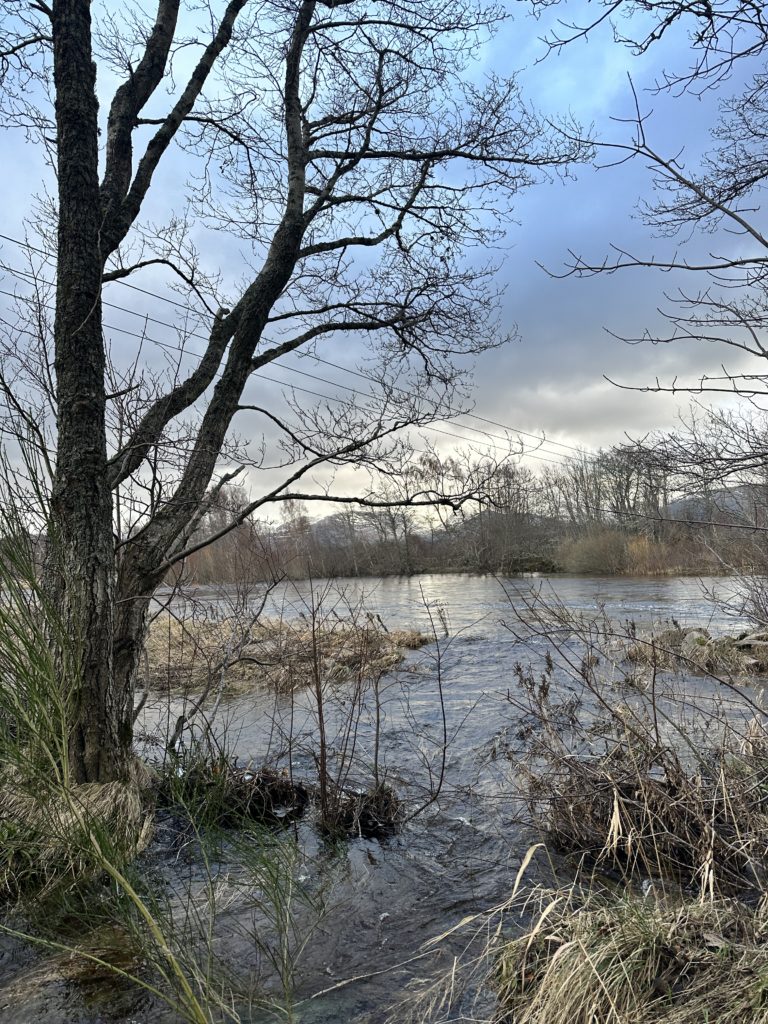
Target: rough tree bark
[{"x": 81, "y": 561}]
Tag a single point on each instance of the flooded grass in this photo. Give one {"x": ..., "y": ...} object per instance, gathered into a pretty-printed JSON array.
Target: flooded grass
[
  {"x": 276, "y": 654},
  {"x": 214, "y": 791},
  {"x": 639, "y": 812},
  {"x": 697, "y": 651}
]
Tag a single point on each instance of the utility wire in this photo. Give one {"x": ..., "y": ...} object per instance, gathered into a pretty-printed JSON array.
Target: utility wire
[
  {"x": 326, "y": 362},
  {"x": 27, "y": 276},
  {"x": 187, "y": 351},
  {"x": 307, "y": 391},
  {"x": 484, "y": 435}
]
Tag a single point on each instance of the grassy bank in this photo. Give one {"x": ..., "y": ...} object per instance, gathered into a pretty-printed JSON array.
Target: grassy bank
[{"x": 602, "y": 960}]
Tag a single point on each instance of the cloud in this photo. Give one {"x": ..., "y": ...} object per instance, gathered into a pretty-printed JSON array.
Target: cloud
[{"x": 552, "y": 380}]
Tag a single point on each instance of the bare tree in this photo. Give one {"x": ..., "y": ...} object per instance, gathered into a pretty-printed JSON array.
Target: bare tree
[
  {"x": 721, "y": 33},
  {"x": 693, "y": 204},
  {"x": 342, "y": 145},
  {"x": 709, "y": 211}
]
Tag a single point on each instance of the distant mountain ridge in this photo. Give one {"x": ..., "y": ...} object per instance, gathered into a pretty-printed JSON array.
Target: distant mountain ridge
[{"x": 743, "y": 503}]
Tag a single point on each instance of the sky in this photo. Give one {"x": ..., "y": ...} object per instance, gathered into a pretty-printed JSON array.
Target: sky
[{"x": 552, "y": 381}]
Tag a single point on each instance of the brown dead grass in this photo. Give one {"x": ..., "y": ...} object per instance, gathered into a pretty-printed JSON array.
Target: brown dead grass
[
  {"x": 695, "y": 651},
  {"x": 50, "y": 833},
  {"x": 278, "y": 655},
  {"x": 641, "y": 813},
  {"x": 636, "y": 960}
]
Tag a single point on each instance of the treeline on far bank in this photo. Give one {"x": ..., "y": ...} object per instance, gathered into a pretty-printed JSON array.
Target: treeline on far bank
[{"x": 601, "y": 515}]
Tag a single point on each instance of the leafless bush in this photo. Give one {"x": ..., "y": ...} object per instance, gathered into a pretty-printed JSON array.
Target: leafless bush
[
  {"x": 324, "y": 669},
  {"x": 651, "y": 775}
]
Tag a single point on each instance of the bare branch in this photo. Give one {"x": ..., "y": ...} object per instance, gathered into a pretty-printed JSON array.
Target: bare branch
[{"x": 123, "y": 197}]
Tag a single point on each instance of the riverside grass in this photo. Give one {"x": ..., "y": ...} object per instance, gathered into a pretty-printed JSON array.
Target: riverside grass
[
  {"x": 658, "y": 796},
  {"x": 66, "y": 848},
  {"x": 666, "y": 944},
  {"x": 281, "y": 655},
  {"x": 626, "y": 949},
  {"x": 68, "y": 881},
  {"x": 635, "y": 960},
  {"x": 51, "y": 828}
]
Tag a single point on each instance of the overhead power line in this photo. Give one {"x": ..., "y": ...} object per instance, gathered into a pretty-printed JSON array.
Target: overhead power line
[
  {"x": 585, "y": 457},
  {"x": 541, "y": 438},
  {"x": 295, "y": 387}
]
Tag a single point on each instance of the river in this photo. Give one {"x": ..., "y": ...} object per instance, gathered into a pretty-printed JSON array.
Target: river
[{"x": 384, "y": 899}]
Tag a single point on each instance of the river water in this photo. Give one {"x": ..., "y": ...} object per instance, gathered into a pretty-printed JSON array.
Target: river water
[
  {"x": 384, "y": 899},
  {"x": 481, "y": 603},
  {"x": 462, "y": 855}
]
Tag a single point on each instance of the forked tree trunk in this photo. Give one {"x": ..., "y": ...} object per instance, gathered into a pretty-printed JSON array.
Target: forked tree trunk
[
  {"x": 105, "y": 620},
  {"x": 80, "y": 571}
]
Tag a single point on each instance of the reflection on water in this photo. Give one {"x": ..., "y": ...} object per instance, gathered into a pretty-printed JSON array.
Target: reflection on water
[{"x": 481, "y": 603}]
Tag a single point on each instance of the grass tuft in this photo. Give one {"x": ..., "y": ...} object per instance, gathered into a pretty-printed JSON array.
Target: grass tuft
[{"x": 635, "y": 959}]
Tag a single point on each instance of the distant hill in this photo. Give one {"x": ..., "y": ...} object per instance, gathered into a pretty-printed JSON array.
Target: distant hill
[{"x": 746, "y": 503}]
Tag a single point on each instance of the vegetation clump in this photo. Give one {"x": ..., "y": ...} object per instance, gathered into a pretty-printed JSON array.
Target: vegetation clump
[
  {"x": 685, "y": 939},
  {"x": 212, "y": 789},
  {"x": 697, "y": 651},
  {"x": 369, "y": 814},
  {"x": 639, "y": 811},
  {"x": 280, "y": 655},
  {"x": 217, "y": 791},
  {"x": 635, "y": 958},
  {"x": 50, "y": 834}
]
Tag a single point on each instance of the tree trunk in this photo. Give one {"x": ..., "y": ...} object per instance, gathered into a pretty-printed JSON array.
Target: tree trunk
[
  {"x": 80, "y": 570},
  {"x": 134, "y": 594}
]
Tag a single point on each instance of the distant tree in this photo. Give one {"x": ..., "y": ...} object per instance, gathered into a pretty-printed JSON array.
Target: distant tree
[
  {"x": 244, "y": 554},
  {"x": 343, "y": 143}
]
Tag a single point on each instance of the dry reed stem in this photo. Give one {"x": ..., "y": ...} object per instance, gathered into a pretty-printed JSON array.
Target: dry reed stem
[{"x": 636, "y": 960}]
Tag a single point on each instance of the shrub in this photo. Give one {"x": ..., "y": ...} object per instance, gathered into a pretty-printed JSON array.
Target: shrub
[{"x": 604, "y": 551}]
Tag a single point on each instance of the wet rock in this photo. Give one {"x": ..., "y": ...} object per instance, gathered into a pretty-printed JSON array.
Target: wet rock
[
  {"x": 757, "y": 655},
  {"x": 753, "y": 650},
  {"x": 748, "y": 639}
]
